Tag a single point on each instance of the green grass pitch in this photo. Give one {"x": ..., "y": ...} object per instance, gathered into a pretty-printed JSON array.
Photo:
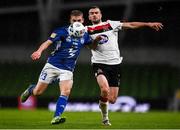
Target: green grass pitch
[{"x": 40, "y": 119}]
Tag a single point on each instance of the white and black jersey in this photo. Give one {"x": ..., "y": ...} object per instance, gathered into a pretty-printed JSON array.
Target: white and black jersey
[{"x": 107, "y": 51}]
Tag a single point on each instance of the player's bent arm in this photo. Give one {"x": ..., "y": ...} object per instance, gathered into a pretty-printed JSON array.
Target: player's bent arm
[
  {"x": 94, "y": 43},
  {"x": 37, "y": 54},
  {"x": 91, "y": 46},
  {"x": 134, "y": 25}
]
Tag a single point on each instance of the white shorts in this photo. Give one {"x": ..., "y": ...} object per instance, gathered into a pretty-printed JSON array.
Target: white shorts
[{"x": 50, "y": 73}]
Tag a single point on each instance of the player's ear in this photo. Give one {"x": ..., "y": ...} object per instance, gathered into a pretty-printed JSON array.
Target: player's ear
[
  {"x": 70, "y": 21},
  {"x": 100, "y": 15},
  {"x": 82, "y": 20},
  {"x": 89, "y": 17}
]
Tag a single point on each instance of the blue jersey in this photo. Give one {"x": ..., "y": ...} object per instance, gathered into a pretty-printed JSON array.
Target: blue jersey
[{"x": 67, "y": 48}]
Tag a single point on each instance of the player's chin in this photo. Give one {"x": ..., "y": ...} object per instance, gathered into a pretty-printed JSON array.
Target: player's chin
[{"x": 96, "y": 21}]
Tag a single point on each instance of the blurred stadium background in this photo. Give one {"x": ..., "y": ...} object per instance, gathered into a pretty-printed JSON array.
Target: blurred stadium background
[{"x": 151, "y": 66}]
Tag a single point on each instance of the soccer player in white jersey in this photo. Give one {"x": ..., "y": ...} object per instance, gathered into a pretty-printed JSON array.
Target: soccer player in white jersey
[{"x": 106, "y": 58}]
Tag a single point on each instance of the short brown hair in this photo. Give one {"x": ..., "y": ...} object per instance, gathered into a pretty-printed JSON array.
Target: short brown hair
[
  {"x": 76, "y": 13},
  {"x": 94, "y": 7}
]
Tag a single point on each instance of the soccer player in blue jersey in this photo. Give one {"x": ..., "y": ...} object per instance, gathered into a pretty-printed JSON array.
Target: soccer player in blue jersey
[{"x": 61, "y": 63}]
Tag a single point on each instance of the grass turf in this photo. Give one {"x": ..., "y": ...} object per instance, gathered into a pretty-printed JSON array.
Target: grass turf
[{"x": 40, "y": 119}]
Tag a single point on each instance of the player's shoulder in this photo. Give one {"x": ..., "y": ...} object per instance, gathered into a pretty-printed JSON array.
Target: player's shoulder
[
  {"x": 112, "y": 21},
  {"x": 61, "y": 30},
  {"x": 100, "y": 24},
  {"x": 98, "y": 27}
]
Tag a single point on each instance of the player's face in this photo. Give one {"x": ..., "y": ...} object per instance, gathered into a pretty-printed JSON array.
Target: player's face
[
  {"x": 76, "y": 19},
  {"x": 95, "y": 15}
]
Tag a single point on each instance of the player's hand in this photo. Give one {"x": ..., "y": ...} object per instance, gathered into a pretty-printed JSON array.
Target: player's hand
[
  {"x": 98, "y": 38},
  {"x": 35, "y": 55},
  {"x": 156, "y": 25}
]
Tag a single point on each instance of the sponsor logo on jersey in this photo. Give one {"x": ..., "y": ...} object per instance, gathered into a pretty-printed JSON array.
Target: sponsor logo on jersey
[
  {"x": 76, "y": 39},
  {"x": 75, "y": 43},
  {"x": 104, "y": 39}
]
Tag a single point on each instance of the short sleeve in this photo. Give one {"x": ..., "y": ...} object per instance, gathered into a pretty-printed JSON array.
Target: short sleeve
[
  {"x": 55, "y": 35},
  {"x": 115, "y": 24},
  {"x": 88, "y": 39}
]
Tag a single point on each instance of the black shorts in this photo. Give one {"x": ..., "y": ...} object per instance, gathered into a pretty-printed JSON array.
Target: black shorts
[{"x": 111, "y": 72}]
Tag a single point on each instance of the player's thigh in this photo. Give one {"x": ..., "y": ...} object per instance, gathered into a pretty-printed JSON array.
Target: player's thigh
[
  {"x": 48, "y": 73},
  {"x": 100, "y": 74},
  {"x": 114, "y": 75},
  {"x": 102, "y": 81},
  {"x": 114, "y": 82}
]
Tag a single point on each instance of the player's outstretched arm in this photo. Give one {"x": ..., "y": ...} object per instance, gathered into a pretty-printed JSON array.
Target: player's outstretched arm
[
  {"x": 134, "y": 25},
  {"x": 37, "y": 54}
]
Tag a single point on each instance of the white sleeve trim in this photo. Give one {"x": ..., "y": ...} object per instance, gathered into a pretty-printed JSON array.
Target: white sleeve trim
[{"x": 115, "y": 24}]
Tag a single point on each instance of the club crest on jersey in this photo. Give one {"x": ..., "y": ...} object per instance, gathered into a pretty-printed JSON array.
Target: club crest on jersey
[
  {"x": 53, "y": 35},
  {"x": 68, "y": 39},
  {"x": 104, "y": 39},
  {"x": 82, "y": 40}
]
